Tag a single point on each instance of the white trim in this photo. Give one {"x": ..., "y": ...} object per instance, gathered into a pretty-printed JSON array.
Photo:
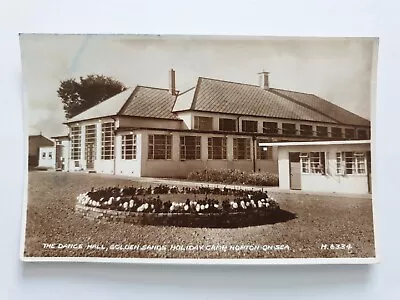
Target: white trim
[{"x": 315, "y": 143}]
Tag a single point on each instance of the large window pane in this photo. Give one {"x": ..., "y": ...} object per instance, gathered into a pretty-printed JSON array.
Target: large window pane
[
  {"x": 241, "y": 148},
  {"x": 107, "y": 141},
  {"x": 217, "y": 148},
  {"x": 160, "y": 146},
  {"x": 190, "y": 147},
  {"x": 76, "y": 142}
]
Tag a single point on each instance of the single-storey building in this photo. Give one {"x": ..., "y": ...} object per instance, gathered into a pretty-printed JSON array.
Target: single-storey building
[
  {"x": 325, "y": 166},
  {"x": 35, "y": 142},
  {"x": 47, "y": 157},
  {"x": 217, "y": 124}
]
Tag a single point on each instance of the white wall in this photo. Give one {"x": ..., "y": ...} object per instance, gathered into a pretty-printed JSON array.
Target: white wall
[
  {"x": 331, "y": 182},
  {"x": 47, "y": 157}
]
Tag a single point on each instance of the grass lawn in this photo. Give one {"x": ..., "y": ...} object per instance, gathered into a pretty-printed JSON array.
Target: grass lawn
[{"x": 51, "y": 219}]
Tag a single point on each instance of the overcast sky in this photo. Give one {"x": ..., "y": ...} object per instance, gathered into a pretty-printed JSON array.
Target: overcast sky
[{"x": 338, "y": 70}]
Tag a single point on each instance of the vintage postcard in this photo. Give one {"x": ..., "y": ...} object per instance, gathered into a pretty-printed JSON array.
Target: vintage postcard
[{"x": 199, "y": 149}]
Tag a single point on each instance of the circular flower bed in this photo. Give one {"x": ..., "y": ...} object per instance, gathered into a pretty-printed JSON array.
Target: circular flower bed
[{"x": 204, "y": 203}]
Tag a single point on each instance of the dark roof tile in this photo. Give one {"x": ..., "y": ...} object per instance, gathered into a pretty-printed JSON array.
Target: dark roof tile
[
  {"x": 243, "y": 99},
  {"x": 149, "y": 102}
]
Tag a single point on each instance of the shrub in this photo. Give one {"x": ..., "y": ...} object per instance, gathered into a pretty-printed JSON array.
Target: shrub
[{"x": 235, "y": 177}]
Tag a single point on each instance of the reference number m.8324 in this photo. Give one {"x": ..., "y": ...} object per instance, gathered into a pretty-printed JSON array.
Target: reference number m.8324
[{"x": 336, "y": 246}]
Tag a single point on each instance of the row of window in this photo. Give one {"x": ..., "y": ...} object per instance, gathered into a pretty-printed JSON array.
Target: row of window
[
  {"x": 346, "y": 163},
  {"x": 160, "y": 146},
  {"x": 206, "y": 123},
  {"x": 190, "y": 148}
]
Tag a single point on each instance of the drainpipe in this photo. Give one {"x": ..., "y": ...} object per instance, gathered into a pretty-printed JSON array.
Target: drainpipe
[{"x": 254, "y": 153}]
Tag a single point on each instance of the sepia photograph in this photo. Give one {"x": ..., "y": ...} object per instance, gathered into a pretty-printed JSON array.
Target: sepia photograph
[{"x": 199, "y": 149}]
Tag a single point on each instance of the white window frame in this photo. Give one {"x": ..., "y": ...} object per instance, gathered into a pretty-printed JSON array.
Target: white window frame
[
  {"x": 356, "y": 160},
  {"x": 107, "y": 140},
  {"x": 90, "y": 138},
  {"x": 76, "y": 143},
  {"x": 309, "y": 162},
  {"x": 128, "y": 144}
]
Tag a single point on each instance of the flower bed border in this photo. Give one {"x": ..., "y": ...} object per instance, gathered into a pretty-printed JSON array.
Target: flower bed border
[{"x": 230, "y": 219}]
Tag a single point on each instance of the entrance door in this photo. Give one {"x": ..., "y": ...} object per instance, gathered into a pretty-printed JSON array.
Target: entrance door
[
  {"x": 90, "y": 156},
  {"x": 295, "y": 170}
]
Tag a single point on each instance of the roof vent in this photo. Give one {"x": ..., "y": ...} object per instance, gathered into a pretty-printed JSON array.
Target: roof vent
[{"x": 264, "y": 80}]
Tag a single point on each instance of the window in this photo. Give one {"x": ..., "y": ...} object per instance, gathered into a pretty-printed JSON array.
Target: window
[
  {"x": 249, "y": 126},
  {"x": 270, "y": 127},
  {"x": 289, "y": 129},
  {"x": 90, "y": 142},
  {"x": 350, "y": 163},
  {"x": 128, "y": 146},
  {"x": 203, "y": 123},
  {"x": 241, "y": 148},
  {"x": 107, "y": 141},
  {"x": 362, "y": 134},
  {"x": 322, "y": 131},
  {"x": 261, "y": 153},
  {"x": 313, "y": 162},
  {"x": 76, "y": 142},
  {"x": 306, "y": 130},
  {"x": 50, "y": 155},
  {"x": 336, "y": 132},
  {"x": 217, "y": 148},
  {"x": 43, "y": 155},
  {"x": 349, "y": 133},
  {"x": 227, "y": 125},
  {"x": 160, "y": 146},
  {"x": 190, "y": 147}
]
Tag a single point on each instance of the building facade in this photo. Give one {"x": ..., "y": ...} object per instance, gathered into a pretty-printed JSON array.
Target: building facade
[
  {"x": 334, "y": 167},
  {"x": 147, "y": 131},
  {"x": 35, "y": 142}
]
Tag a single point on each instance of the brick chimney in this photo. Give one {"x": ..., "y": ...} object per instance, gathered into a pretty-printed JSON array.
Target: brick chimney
[
  {"x": 264, "y": 80},
  {"x": 172, "y": 85}
]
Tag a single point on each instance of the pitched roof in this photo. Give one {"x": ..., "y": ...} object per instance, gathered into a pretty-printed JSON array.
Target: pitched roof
[
  {"x": 214, "y": 95},
  {"x": 109, "y": 107},
  {"x": 220, "y": 96},
  {"x": 323, "y": 106},
  {"x": 40, "y": 140},
  {"x": 135, "y": 102},
  {"x": 37, "y": 141},
  {"x": 150, "y": 102}
]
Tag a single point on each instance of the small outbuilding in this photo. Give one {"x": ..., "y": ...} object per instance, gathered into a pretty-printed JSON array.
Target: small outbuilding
[{"x": 324, "y": 166}]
